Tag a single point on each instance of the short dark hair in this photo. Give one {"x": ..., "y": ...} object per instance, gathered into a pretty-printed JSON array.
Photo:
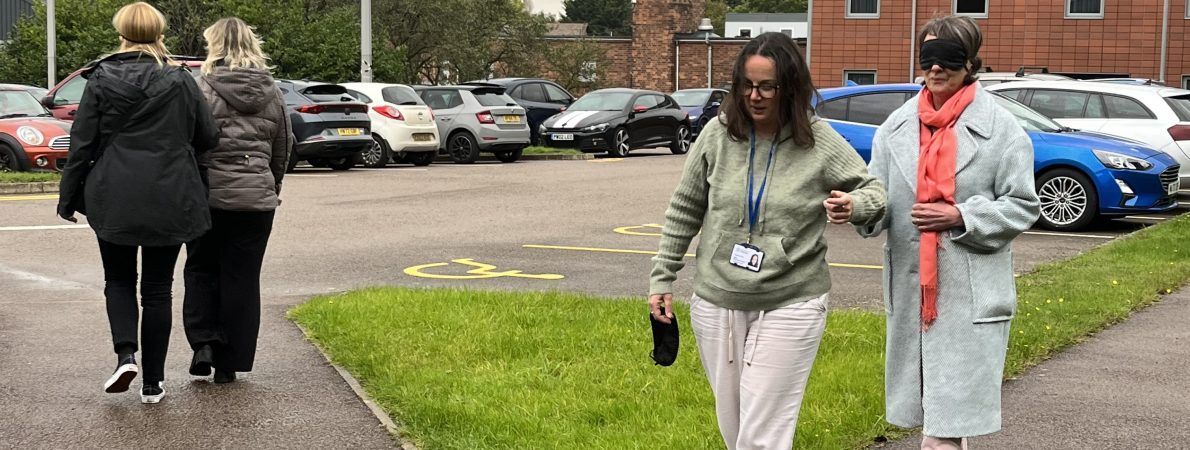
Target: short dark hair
[
  {"x": 961, "y": 29},
  {"x": 794, "y": 96}
]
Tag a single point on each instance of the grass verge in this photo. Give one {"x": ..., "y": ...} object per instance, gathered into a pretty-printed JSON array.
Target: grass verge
[
  {"x": 472, "y": 369},
  {"x": 28, "y": 177},
  {"x": 538, "y": 150}
]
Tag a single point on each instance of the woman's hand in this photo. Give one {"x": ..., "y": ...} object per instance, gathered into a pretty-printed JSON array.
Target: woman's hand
[
  {"x": 656, "y": 301},
  {"x": 940, "y": 216},
  {"x": 838, "y": 207}
]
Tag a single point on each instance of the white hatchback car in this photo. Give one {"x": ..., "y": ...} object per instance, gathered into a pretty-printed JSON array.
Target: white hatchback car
[
  {"x": 1156, "y": 116},
  {"x": 403, "y": 127}
]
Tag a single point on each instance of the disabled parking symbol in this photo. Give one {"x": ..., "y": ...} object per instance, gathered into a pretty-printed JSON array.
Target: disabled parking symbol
[{"x": 480, "y": 271}]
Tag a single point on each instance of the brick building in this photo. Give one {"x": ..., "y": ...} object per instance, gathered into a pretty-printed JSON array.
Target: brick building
[{"x": 873, "y": 40}]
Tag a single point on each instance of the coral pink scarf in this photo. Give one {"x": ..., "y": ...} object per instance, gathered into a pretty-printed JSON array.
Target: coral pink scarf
[{"x": 935, "y": 182}]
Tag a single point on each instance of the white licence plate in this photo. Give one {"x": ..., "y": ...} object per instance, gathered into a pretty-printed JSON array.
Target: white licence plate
[
  {"x": 1173, "y": 187},
  {"x": 563, "y": 137}
]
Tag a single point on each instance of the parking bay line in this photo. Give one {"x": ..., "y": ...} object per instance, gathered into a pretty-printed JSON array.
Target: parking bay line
[
  {"x": 651, "y": 253},
  {"x": 46, "y": 227},
  {"x": 14, "y": 198},
  {"x": 1090, "y": 236}
]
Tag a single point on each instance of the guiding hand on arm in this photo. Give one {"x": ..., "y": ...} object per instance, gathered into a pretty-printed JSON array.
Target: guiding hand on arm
[
  {"x": 838, "y": 207},
  {"x": 939, "y": 216}
]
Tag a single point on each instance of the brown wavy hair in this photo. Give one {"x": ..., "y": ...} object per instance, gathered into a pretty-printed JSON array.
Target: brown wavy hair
[
  {"x": 795, "y": 91},
  {"x": 961, "y": 29}
]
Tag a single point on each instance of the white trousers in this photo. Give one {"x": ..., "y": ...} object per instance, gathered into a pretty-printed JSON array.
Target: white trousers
[{"x": 758, "y": 363}]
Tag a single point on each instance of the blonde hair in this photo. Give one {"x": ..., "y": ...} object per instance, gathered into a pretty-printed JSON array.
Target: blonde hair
[
  {"x": 142, "y": 28},
  {"x": 233, "y": 41}
]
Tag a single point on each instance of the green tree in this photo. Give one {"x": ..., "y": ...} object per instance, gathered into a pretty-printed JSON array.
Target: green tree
[
  {"x": 603, "y": 17},
  {"x": 717, "y": 11},
  {"x": 84, "y": 32},
  {"x": 771, "y": 6},
  {"x": 579, "y": 66}
]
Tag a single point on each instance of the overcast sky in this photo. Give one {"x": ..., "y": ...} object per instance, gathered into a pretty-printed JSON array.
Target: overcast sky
[{"x": 546, "y": 6}]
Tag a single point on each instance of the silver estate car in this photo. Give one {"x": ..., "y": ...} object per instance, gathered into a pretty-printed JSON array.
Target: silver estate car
[{"x": 473, "y": 119}]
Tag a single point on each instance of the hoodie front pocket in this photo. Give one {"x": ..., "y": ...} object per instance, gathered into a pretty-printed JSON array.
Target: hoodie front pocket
[{"x": 774, "y": 268}]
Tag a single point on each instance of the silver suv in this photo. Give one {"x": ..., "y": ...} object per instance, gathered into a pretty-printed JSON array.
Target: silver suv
[{"x": 474, "y": 119}]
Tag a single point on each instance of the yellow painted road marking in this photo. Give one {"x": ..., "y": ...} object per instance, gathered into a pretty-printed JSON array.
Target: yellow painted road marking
[
  {"x": 481, "y": 271},
  {"x": 605, "y": 160},
  {"x": 14, "y": 198},
  {"x": 647, "y": 252},
  {"x": 632, "y": 230}
]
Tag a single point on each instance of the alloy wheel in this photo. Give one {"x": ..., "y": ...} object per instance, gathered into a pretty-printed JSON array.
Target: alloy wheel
[
  {"x": 684, "y": 138},
  {"x": 371, "y": 157},
  {"x": 622, "y": 141},
  {"x": 1063, "y": 200}
]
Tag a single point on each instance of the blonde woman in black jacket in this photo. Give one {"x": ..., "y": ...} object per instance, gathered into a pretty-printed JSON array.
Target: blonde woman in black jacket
[
  {"x": 132, "y": 172},
  {"x": 222, "y": 307}
]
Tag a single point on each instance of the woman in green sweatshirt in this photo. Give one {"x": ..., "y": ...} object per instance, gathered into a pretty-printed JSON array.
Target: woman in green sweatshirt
[{"x": 761, "y": 183}]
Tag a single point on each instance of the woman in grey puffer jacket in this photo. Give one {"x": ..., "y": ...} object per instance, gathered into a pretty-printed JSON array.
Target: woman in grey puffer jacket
[{"x": 222, "y": 306}]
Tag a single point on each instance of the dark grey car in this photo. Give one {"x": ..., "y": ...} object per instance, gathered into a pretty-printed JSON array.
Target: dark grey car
[{"x": 330, "y": 126}]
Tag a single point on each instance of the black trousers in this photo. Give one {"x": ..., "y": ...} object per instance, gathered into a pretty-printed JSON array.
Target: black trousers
[
  {"x": 157, "y": 270},
  {"x": 222, "y": 304}
]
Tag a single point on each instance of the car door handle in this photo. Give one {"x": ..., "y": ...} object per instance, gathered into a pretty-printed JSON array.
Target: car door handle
[{"x": 445, "y": 119}]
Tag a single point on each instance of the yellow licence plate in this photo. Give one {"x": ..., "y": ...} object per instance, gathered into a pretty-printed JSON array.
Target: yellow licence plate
[
  {"x": 512, "y": 119},
  {"x": 350, "y": 131},
  {"x": 422, "y": 137}
]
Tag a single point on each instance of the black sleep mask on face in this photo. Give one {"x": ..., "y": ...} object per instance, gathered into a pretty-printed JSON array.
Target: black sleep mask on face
[{"x": 945, "y": 53}]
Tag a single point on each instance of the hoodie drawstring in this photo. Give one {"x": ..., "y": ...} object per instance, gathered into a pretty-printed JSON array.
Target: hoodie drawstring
[{"x": 755, "y": 343}]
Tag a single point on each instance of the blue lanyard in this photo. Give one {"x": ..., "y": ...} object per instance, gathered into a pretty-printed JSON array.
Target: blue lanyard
[{"x": 754, "y": 203}]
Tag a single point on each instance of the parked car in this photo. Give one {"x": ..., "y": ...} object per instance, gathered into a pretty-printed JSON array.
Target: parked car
[
  {"x": 477, "y": 119},
  {"x": 702, "y": 105},
  {"x": 330, "y": 126},
  {"x": 540, "y": 98},
  {"x": 30, "y": 137},
  {"x": 36, "y": 91},
  {"x": 990, "y": 78},
  {"x": 618, "y": 120},
  {"x": 1157, "y": 116},
  {"x": 403, "y": 127},
  {"x": 1131, "y": 81},
  {"x": 63, "y": 99},
  {"x": 1080, "y": 175}
]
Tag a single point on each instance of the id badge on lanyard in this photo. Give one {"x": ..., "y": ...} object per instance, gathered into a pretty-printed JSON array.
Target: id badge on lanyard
[{"x": 745, "y": 255}]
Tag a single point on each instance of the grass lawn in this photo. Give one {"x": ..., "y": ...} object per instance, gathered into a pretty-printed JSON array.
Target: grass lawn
[
  {"x": 475, "y": 369},
  {"x": 28, "y": 177},
  {"x": 538, "y": 150}
]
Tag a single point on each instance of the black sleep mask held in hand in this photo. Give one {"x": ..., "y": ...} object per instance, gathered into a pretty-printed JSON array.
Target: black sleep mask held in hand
[
  {"x": 945, "y": 53},
  {"x": 665, "y": 340}
]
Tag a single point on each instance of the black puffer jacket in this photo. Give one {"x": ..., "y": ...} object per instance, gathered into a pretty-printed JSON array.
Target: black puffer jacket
[{"x": 144, "y": 123}]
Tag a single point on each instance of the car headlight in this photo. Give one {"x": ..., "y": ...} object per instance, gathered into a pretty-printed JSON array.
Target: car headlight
[
  {"x": 1114, "y": 160},
  {"x": 30, "y": 135},
  {"x": 598, "y": 127},
  {"x": 541, "y": 129}
]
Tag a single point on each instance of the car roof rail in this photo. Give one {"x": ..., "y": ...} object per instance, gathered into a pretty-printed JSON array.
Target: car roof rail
[
  {"x": 480, "y": 83},
  {"x": 1024, "y": 70}
]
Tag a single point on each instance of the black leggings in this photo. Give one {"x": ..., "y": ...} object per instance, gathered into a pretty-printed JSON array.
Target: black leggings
[{"x": 156, "y": 290}]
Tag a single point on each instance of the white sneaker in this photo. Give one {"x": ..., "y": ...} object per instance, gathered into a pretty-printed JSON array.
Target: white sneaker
[
  {"x": 122, "y": 377},
  {"x": 152, "y": 393}
]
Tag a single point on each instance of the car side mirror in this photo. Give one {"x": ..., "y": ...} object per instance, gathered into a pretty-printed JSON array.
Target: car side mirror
[
  {"x": 715, "y": 104},
  {"x": 563, "y": 109},
  {"x": 639, "y": 108},
  {"x": 48, "y": 101}
]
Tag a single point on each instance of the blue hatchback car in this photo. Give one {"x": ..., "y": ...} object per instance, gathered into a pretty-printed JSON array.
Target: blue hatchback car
[
  {"x": 1080, "y": 175},
  {"x": 702, "y": 105}
]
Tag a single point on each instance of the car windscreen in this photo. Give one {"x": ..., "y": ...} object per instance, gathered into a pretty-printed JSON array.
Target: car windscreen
[
  {"x": 691, "y": 98},
  {"x": 20, "y": 104},
  {"x": 602, "y": 101},
  {"x": 401, "y": 95},
  {"x": 1028, "y": 119},
  {"x": 493, "y": 97},
  {"x": 326, "y": 93},
  {"x": 1181, "y": 106}
]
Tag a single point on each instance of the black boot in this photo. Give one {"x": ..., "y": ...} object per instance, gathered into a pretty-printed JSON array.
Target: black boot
[
  {"x": 224, "y": 376},
  {"x": 200, "y": 365}
]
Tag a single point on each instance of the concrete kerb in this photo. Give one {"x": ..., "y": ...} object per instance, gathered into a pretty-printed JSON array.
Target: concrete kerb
[
  {"x": 44, "y": 187},
  {"x": 582, "y": 157},
  {"x": 392, "y": 427}
]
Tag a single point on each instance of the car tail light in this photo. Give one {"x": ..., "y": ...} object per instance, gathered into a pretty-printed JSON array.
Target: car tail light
[
  {"x": 311, "y": 109},
  {"x": 389, "y": 111},
  {"x": 485, "y": 117},
  {"x": 356, "y": 108},
  {"x": 431, "y": 113},
  {"x": 1180, "y": 132}
]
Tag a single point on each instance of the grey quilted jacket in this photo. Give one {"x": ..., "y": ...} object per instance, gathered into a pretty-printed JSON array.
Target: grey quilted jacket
[{"x": 255, "y": 136}]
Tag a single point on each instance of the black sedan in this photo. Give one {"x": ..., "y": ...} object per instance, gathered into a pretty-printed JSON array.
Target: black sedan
[
  {"x": 618, "y": 120},
  {"x": 331, "y": 127}
]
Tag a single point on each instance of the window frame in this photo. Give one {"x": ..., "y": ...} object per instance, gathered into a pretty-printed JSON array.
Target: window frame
[
  {"x": 561, "y": 101},
  {"x": 954, "y": 8},
  {"x": 522, "y": 89},
  {"x": 1107, "y": 108},
  {"x": 873, "y": 72},
  {"x": 1066, "y": 14},
  {"x": 848, "y": 14},
  {"x": 740, "y": 32},
  {"x": 1082, "y": 113},
  {"x": 1186, "y": 78}
]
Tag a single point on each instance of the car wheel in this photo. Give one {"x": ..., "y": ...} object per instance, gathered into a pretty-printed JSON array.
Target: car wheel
[
  {"x": 344, "y": 163},
  {"x": 293, "y": 160},
  {"x": 510, "y": 156},
  {"x": 702, "y": 124},
  {"x": 620, "y": 146},
  {"x": 681, "y": 143},
  {"x": 377, "y": 155},
  {"x": 1069, "y": 200},
  {"x": 421, "y": 159},
  {"x": 9, "y": 161},
  {"x": 462, "y": 148}
]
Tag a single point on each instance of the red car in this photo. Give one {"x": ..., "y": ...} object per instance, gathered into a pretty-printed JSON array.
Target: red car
[
  {"x": 64, "y": 98},
  {"x": 30, "y": 138}
]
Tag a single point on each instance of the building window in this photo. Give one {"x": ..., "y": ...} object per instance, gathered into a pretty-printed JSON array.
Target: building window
[
  {"x": 860, "y": 77},
  {"x": 789, "y": 31},
  {"x": 1185, "y": 81},
  {"x": 863, "y": 9},
  {"x": 1084, "y": 9},
  {"x": 745, "y": 32},
  {"x": 972, "y": 8}
]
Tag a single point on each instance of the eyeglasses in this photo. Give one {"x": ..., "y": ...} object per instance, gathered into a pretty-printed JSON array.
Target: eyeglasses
[{"x": 766, "y": 89}]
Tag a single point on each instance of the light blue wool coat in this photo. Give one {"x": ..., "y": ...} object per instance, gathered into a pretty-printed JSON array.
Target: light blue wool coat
[{"x": 947, "y": 380}]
